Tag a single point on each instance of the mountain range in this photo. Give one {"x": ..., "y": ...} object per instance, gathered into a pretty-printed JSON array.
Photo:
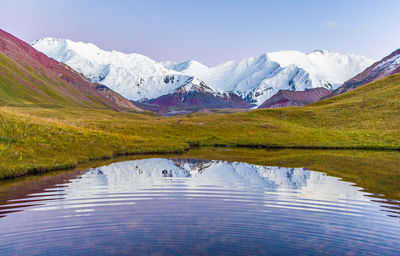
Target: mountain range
[
  {"x": 82, "y": 75},
  {"x": 233, "y": 84}
]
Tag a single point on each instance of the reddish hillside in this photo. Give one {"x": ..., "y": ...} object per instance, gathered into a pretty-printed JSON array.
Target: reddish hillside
[
  {"x": 196, "y": 98},
  {"x": 286, "y": 98},
  {"x": 30, "y": 77}
]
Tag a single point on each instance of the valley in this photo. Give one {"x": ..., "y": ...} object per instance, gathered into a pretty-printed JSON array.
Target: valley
[
  {"x": 52, "y": 117},
  {"x": 38, "y": 138},
  {"x": 199, "y": 128}
]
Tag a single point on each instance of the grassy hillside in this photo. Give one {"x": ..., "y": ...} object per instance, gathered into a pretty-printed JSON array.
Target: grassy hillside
[
  {"x": 39, "y": 138},
  {"x": 22, "y": 86},
  {"x": 30, "y": 78}
]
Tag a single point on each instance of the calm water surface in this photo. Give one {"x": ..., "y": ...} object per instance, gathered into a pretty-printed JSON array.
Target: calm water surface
[{"x": 175, "y": 207}]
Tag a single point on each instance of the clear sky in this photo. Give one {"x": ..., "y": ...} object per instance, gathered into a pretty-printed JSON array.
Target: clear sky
[{"x": 211, "y": 31}]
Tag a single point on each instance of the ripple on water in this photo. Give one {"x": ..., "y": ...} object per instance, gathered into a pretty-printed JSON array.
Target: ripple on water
[{"x": 172, "y": 206}]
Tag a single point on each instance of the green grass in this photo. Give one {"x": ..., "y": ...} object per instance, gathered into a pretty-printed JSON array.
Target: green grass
[{"x": 37, "y": 138}]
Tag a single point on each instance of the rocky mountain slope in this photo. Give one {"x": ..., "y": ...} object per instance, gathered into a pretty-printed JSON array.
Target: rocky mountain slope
[
  {"x": 255, "y": 80},
  {"x": 28, "y": 77},
  {"x": 387, "y": 66},
  {"x": 286, "y": 98}
]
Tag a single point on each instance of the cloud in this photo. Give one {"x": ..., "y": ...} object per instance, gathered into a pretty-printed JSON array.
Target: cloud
[{"x": 331, "y": 25}]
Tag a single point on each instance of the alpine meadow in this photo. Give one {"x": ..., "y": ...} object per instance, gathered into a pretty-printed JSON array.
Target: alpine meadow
[{"x": 288, "y": 152}]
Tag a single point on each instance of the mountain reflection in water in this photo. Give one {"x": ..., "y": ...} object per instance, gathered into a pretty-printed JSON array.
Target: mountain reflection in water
[{"x": 178, "y": 206}]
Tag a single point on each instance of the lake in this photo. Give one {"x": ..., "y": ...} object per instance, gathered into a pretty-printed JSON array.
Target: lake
[{"x": 179, "y": 206}]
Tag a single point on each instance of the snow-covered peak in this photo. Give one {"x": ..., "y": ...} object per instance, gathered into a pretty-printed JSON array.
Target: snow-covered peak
[
  {"x": 231, "y": 76},
  {"x": 324, "y": 67},
  {"x": 191, "y": 64},
  {"x": 168, "y": 64},
  {"x": 194, "y": 84},
  {"x": 134, "y": 76},
  {"x": 319, "y": 52},
  {"x": 68, "y": 51}
]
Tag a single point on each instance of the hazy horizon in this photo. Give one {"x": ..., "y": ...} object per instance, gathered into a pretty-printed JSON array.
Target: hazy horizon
[{"x": 210, "y": 32}]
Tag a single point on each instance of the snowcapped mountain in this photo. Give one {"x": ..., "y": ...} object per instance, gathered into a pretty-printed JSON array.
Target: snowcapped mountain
[
  {"x": 387, "y": 66},
  {"x": 326, "y": 68},
  {"x": 134, "y": 76},
  {"x": 259, "y": 78},
  {"x": 255, "y": 79}
]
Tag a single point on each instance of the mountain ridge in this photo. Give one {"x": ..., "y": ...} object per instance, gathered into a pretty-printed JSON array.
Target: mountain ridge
[
  {"x": 254, "y": 79},
  {"x": 387, "y": 66}
]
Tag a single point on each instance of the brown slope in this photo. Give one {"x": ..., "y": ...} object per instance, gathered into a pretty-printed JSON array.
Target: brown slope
[
  {"x": 286, "y": 98},
  {"x": 380, "y": 69},
  {"x": 28, "y": 76},
  {"x": 198, "y": 97}
]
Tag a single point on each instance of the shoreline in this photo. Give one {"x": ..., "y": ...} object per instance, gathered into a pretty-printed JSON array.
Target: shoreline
[{"x": 69, "y": 166}]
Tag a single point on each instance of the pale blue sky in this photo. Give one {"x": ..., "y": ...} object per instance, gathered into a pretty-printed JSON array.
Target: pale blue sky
[{"x": 211, "y": 31}]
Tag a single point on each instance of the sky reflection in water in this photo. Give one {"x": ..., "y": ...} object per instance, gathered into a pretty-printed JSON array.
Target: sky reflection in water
[{"x": 172, "y": 206}]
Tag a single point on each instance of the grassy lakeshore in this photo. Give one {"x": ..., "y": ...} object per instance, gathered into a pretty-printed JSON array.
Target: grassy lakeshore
[
  {"x": 376, "y": 172},
  {"x": 37, "y": 138}
]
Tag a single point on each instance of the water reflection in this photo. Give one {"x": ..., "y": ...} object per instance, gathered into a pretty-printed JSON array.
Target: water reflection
[{"x": 176, "y": 206}]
